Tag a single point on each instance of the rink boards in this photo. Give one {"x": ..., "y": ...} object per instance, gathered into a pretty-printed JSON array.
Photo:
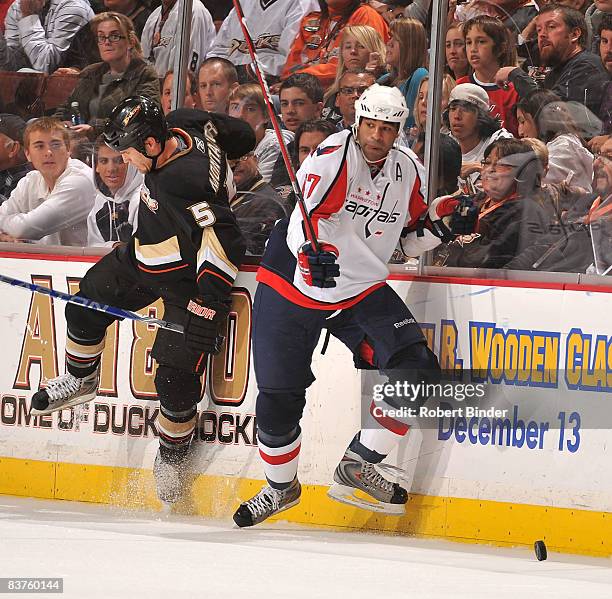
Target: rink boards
[{"x": 541, "y": 472}]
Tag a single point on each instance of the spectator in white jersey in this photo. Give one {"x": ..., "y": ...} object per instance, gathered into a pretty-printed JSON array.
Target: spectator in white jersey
[
  {"x": 49, "y": 205},
  {"x": 273, "y": 27},
  {"x": 37, "y": 33},
  {"x": 159, "y": 36},
  {"x": 217, "y": 78},
  {"x": 114, "y": 215}
]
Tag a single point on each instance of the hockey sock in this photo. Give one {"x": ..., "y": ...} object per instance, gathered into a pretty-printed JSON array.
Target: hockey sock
[
  {"x": 374, "y": 445},
  {"x": 280, "y": 455},
  {"x": 175, "y": 432},
  {"x": 83, "y": 355}
]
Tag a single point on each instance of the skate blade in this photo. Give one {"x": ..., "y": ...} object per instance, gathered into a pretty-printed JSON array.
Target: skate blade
[
  {"x": 345, "y": 494},
  {"x": 77, "y": 401}
]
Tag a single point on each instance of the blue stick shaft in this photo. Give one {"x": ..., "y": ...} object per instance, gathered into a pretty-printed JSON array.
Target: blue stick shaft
[{"x": 92, "y": 305}]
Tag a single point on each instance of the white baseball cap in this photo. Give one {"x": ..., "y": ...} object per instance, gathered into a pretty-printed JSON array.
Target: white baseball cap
[{"x": 473, "y": 94}]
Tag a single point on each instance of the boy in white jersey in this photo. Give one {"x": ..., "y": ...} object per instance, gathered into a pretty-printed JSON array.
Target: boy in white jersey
[{"x": 363, "y": 195}]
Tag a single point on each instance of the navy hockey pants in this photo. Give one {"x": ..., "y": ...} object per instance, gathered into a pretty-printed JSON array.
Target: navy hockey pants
[{"x": 380, "y": 331}]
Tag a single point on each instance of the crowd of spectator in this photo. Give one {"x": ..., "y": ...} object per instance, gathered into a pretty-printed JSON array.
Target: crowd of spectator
[{"x": 526, "y": 112}]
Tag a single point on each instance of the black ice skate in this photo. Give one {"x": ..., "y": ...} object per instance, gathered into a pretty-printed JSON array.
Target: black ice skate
[
  {"x": 171, "y": 475},
  {"x": 266, "y": 503},
  {"x": 65, "y": 391},
  {"x": 378, "y": 494}
]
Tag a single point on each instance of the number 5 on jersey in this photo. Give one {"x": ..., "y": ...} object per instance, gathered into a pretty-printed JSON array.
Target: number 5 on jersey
[{"x": 203, "y": 214}]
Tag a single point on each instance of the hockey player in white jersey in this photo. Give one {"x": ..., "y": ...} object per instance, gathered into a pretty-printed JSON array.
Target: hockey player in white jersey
[
  {"x": 364, "y": 195},
  {"x": 273, "y": 24}
]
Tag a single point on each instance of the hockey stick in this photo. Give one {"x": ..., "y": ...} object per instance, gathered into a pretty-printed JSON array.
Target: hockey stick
[
  {"x": 92, "y": 305},
  {"x": 310, "y": 234}
]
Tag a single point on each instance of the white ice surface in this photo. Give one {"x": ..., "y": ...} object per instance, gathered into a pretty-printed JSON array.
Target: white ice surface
[{"x": 111, "y": 553}]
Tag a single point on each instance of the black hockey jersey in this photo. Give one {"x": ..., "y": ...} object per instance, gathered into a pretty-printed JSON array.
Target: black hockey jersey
[{"x": 185, "y": 226}]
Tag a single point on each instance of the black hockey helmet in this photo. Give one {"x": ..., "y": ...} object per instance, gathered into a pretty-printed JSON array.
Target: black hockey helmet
[{"x": 132, "y": 121}]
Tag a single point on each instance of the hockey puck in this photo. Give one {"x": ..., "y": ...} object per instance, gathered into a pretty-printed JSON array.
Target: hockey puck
[{"x": 540, "y": 550}]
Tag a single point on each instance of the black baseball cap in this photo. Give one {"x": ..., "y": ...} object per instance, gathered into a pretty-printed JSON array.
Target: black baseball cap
[{"x": 12, "y": 126}]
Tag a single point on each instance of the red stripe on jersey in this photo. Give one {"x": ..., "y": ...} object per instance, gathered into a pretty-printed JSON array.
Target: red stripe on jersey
[
  {"x": 289, "y": 292},
  {"x": 333, "y": 200},
  {"x": 226, "y": 281},
  {"x": 395, "y": 426},
  {"x": 162, "y": 270},
  {"x": 416, "y": 205},
  {"x": 277, "y": 460},
  {"x": 366, "y": 351}
]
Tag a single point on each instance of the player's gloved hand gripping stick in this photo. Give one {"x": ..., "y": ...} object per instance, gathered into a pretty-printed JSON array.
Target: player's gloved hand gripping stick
[
  {"x": 206, "y": 318},
  {"x": 313, "y": 254}
]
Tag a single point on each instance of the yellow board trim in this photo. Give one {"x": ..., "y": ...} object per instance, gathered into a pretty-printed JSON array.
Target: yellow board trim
[{"x": 455, "y": 519}]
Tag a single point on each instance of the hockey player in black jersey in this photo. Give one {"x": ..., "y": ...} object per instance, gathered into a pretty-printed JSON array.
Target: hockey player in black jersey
[{"x": 186, "y": 250}]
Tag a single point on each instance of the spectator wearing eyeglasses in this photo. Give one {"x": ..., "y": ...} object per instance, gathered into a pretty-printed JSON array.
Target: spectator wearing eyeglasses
[
  {"x": 122, "y": 73},
  {"x": 37, "y": 33},
  {"x": 361, "y": 48},
  {"x": 256, "y": 205},
  {"x": 509, "y": 221},
  {"x": 352, "y": 85}
]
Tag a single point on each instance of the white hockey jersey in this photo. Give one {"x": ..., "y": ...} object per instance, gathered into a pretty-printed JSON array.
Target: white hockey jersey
[
  {"x": 158, "y": 43},
  {"x": 363, "y": 217},
  {"x": 273, "y": 25}
]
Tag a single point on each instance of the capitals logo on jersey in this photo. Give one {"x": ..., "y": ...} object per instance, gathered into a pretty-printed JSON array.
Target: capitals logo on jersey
[
  {"x": 369, "y": 205},
  {"x": 145, "y": 196}
]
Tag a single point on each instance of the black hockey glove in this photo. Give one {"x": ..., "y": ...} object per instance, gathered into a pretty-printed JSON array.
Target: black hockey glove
[
  {"x": 465, "y": 216},
  {"x": 206, "y": 318},
  {"x": 319, "y": 269}
]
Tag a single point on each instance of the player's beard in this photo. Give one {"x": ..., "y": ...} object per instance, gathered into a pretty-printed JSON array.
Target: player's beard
[{"x": 550, "y": 56}]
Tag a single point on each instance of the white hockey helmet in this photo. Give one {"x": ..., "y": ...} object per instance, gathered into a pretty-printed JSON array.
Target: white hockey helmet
[{"x": 382, "y": 104}]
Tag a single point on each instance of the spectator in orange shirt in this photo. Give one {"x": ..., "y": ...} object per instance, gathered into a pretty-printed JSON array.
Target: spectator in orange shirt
[{"x": 316, "y": 47}]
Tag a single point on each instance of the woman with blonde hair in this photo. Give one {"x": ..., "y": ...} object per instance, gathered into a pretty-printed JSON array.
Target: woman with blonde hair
[
  {"x": 406, "y": 58},
  {"x": 420, "y": 104},
  {"x": 122, "y": 73},
  {"x": 361, "y": 48}
]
